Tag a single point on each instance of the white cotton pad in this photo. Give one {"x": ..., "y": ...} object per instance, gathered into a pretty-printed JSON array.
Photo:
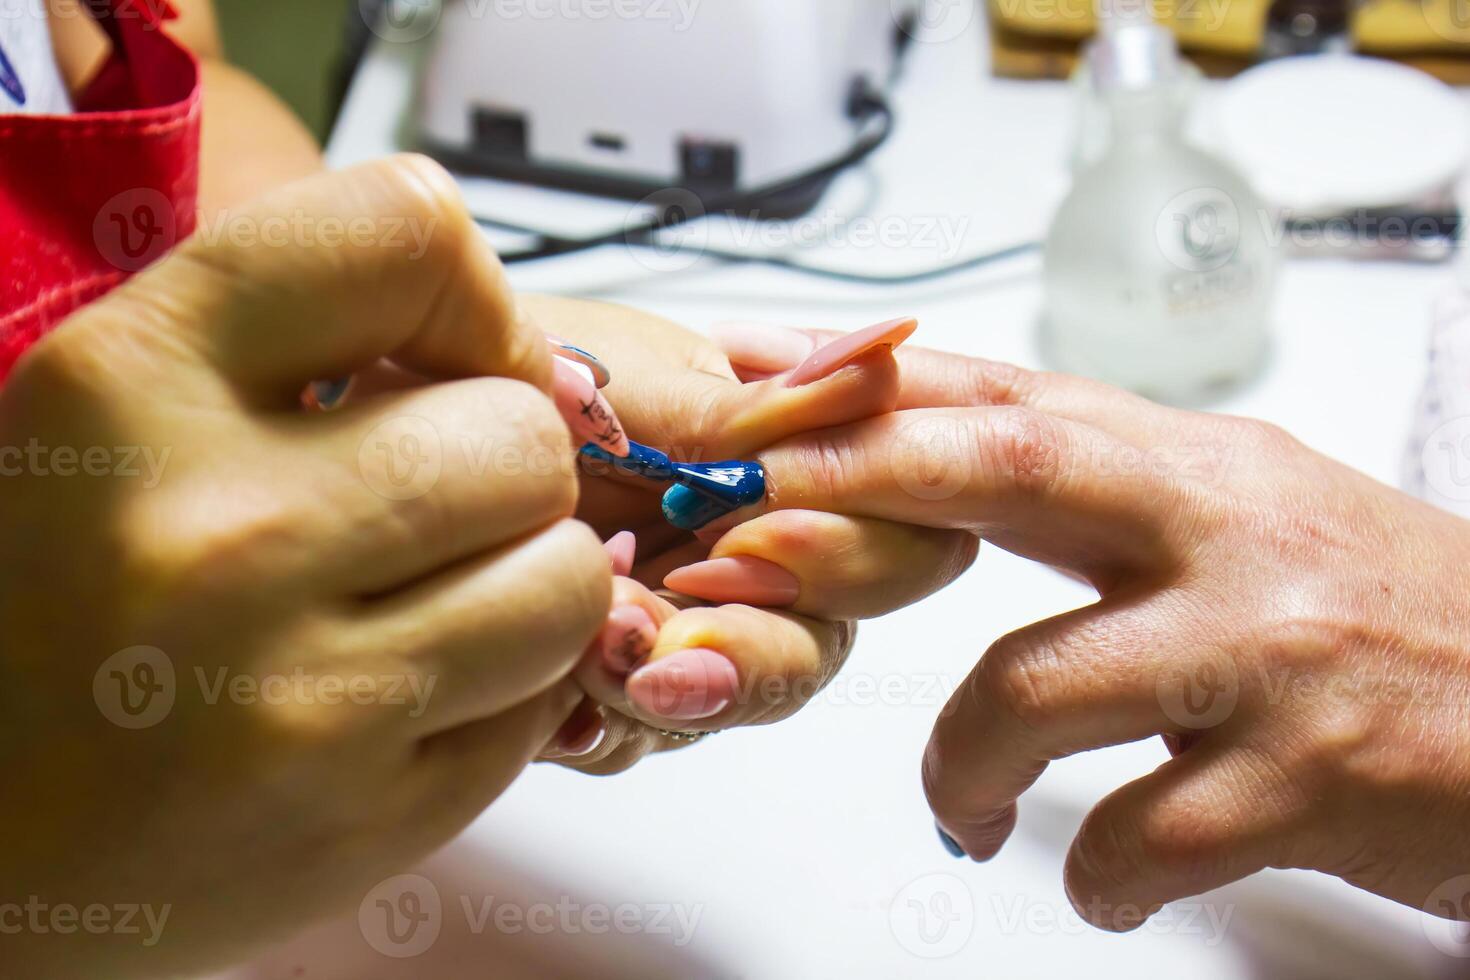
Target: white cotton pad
[{"x": 1328, "y": 133}]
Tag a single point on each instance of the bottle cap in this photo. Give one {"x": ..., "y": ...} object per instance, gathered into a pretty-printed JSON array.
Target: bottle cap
[{"x": 1131, "y": 52}]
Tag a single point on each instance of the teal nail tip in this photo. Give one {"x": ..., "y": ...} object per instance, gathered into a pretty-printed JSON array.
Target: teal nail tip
[
  {"x": 690, "y": 510},
  {"x": 950, "y": 844}
]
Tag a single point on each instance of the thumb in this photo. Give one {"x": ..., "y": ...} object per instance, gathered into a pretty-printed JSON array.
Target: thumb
[{"x": 328, "y": 275}]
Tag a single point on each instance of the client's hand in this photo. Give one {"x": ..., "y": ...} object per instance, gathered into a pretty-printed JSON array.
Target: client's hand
[
  {"x": 771, "y": 636},
  {"x": 1297, "y": 632}
]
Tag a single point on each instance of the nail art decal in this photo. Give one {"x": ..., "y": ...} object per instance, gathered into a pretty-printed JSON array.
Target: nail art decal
[
  {"x": 585, "y": 411},
  {"x": 627, "y": 639}
]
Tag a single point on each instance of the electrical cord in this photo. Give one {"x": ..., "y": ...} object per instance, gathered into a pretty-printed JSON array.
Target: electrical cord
[
  {"x": 820, "y": 272},
  {"x": 864, "y": 105}
]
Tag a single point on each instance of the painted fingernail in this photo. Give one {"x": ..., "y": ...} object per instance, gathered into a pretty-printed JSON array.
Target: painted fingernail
[
  {"x": 690, "y": 510},
  {"x": 950, "y": 844},
  {"x": 621, "y": 549},
  {"x": 626, "y": 639},
  {"x": 843, "y": 351},
  {"x": 586, "y": 412},
  {"x": 601, "y": 376},
  {"x": 580, "y": 734},
  {"x": 687, "y": 686},
  {"x": 762, "y": 346},
  {"x": 742, "y": 578},
  {"x": 709, "y": 492},
  {"x": 325, "y": 396}
]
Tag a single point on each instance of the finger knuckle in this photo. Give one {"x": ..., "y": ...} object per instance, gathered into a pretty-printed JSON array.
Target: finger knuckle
[
  {"x": 423, "y": 189},
  {"x": 995, "y": 382},
  {"x": 1104, "y": 856},
  {"x": 521, "y": 431},
  {"x": 1178, "y": 839},
  {"x": 166, "y": 544},
  {"x": 831, "y": 465},
  {"x": 1265, "y": 439},
  {"x": 1016, "y": 675},
  {"x": 1024, "y": 449},
  {"x": 65, "y": 368}
]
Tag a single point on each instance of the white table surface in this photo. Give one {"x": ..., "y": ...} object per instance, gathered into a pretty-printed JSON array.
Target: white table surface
[{"x": 805, "y": 850}]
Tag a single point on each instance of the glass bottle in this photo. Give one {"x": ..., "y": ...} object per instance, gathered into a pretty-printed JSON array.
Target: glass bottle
[{"x": 1159, "y": 266}]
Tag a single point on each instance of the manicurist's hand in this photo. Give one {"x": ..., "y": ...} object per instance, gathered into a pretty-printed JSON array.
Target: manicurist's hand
[
  {"x": 254, "y": 660},
  {"x": 761, "y": 639},
  {"x": 1296, "y": 631}
]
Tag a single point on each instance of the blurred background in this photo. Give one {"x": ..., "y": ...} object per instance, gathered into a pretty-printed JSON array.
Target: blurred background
[{"x": 292, "y": 46}]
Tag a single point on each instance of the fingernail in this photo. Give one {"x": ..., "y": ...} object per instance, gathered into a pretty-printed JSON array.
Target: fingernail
[
  {"x": 586, "y": 412},
  {"x": 621, "y": 549},
  {"x": 762, "y": 346},
  {"x": 588, "y": 743},
  {"x": 687, "y": 686},
  {"x": 843, "y": 351},
  {"x": 742, "y": 578},
  {"x": 950, "y": 844},
  {"x": 325, "y": 396},
  {"x": 580, "y": 734},
  {"x": 690, "y": 510},
  {"x": 626, "y": 639},
  {"x": 601, "y": 376}
]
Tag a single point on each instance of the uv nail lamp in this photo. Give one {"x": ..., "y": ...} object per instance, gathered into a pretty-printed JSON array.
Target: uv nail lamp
[{"x": 630, "y": 97}]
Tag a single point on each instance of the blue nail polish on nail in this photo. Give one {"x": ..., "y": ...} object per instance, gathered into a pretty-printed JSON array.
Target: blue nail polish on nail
[
  {"x": 327, "y": 395},
  {"x": 690, "y": 510},
  {"x": 703, "y": 492},
  {"x": 950, "y": 844},
  {"x": 641, "y": 461}
]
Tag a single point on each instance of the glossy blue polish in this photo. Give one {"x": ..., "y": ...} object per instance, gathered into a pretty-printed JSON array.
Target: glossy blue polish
[
  {"x": 950, "y": 844},
  {"x": 703, "y": 492},
  {"x": 641, "y": 461}
]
